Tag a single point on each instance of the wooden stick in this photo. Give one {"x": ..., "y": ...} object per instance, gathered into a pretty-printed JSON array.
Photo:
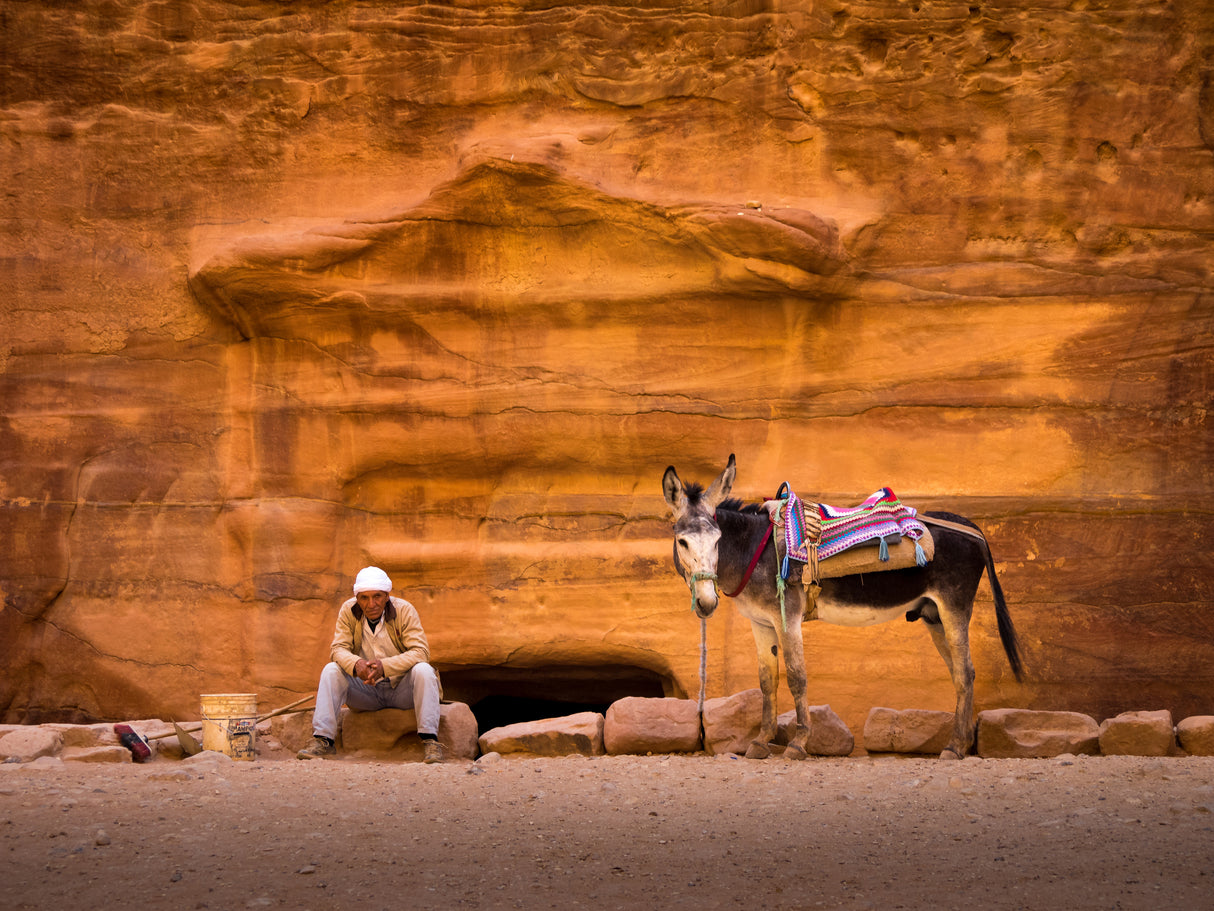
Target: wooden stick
[{"x": 260, "y": 718}]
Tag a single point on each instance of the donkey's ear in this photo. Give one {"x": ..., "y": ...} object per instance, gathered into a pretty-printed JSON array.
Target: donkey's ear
[
  {"x": 672, "y": 490},
  {"x": 723, "y": 485}
]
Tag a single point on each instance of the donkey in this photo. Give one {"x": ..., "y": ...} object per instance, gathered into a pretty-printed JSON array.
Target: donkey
[{"x": 716, "y": 539}]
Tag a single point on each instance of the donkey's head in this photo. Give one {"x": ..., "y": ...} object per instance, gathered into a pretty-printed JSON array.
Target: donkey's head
[{"x": 696, "y": 533}]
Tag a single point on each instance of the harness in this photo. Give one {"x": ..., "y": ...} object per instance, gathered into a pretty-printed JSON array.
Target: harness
[{"x": 754, "y": 561}]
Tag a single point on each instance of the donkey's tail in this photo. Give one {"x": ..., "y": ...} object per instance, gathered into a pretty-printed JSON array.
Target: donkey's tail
[
  {"x": 1003, "y": 617},
  {"x": 1007, "y": 632}
]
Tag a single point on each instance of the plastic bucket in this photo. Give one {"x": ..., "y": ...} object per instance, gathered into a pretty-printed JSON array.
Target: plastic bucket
[{"x": 229, "y": 724}]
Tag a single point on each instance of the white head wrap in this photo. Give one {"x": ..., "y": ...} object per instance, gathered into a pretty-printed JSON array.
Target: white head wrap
[{"x": 372, "y": 579}]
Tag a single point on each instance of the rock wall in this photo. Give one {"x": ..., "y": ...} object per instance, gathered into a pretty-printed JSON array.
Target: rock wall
[{"x": 292, "y": 288}]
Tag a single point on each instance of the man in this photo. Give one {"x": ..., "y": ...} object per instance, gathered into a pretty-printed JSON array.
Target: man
[{"x": 379, "y": 660}]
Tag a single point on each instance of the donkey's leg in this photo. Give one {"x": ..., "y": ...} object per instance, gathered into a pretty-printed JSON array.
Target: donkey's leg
[
  {"x": 794, "y": 666},
  {"x": 767, "y": 648},
  {"x": 952, "y": 639}
]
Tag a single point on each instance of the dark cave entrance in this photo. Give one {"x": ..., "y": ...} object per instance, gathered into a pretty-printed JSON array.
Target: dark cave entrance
[{"x": 507, "y": 695}]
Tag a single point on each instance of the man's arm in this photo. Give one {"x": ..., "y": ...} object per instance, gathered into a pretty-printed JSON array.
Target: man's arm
[
  {"x": 409, "y": 637},
  {"x": 342, "y": 649}
]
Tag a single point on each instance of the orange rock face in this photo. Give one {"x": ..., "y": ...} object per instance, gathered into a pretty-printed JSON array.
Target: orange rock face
[{"x": 291, "y": 289}]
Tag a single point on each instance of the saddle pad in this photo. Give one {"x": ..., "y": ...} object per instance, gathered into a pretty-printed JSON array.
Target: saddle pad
[
  {"x": 858, "y": 560},
  {"x": 882, "y": 519}
]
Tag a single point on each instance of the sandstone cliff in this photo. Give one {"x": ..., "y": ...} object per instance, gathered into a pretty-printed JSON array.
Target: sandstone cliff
[{"x": 292, "y": 288}]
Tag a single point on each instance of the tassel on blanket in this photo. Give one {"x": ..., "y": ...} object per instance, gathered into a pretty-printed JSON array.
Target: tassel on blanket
[
  {"x": 920, "y": 555},
  {"x": 883, "y": 551},
  {"x": 813, "y": 537}
]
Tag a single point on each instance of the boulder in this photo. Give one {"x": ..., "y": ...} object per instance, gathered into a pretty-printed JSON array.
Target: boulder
[
  {"x": 907, "y": 731},
  {"x": 1027, "y": 734},
  {"x": 390, "y": 733},
  {"x": 27, "y": 744},
  {"x": 638, "y": 725},
  {"x": 828, "y": 735},
  {"x": 1196, "y": 735},
  {"x": 580, "y": 734},
  {"x": 1138, "y": 734},
  {"x": 732, "y": 722}
]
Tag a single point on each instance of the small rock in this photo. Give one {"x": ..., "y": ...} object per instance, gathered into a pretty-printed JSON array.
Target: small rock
[
  {"x": 101, "y": 838},
  {"x": 581, "y": 733},
  {"x": 28, "y": 744},
  {"x": 1028, "y": 734},
  {"x": 1138, "y": 734},
  {"x": 1196, "y": 735},
  {"x": 732, "y": 722},
  {"x": 907, "y": 731},
  {"x": 638, "y": 725}
]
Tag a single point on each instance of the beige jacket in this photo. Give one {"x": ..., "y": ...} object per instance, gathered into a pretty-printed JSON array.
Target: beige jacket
[{"x": 404, "y": 629}]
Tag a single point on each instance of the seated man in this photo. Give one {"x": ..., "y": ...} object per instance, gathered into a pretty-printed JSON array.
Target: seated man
[{"x": 379, "y": 660}]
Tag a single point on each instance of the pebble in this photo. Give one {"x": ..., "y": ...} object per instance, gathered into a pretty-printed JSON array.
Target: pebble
[{"x": 101, "y": 838}]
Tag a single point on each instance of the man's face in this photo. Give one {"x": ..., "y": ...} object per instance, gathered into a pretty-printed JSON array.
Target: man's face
[{"x": 372, "y": 603}]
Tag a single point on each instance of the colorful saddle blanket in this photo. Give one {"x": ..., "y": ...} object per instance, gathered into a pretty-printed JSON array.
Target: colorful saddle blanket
[
  {"x": 882, "y": 519},
  {"x": 815, "y": 532}
]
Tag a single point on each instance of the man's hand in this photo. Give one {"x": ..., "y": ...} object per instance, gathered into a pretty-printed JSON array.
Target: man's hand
[{"x": 369, "y": 672}]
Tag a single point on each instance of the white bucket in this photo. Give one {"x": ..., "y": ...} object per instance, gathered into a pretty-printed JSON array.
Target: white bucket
[{"x": 229, "y": 724}]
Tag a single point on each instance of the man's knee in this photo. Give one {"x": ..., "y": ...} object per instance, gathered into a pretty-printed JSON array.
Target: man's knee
[{"x": 332, "y": 673}]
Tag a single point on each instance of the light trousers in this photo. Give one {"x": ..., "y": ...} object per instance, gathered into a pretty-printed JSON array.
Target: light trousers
[{"x": 417, "y": 690}]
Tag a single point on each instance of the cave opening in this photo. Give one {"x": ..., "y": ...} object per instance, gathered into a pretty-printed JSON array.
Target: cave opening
[{"x": 508, "y": 695}]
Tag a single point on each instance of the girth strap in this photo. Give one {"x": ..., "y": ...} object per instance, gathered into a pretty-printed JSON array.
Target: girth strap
[{"x": 952, "y": 526}]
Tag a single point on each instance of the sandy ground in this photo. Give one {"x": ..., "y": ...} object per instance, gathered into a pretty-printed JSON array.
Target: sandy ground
[{"x": 612, "y": 832}]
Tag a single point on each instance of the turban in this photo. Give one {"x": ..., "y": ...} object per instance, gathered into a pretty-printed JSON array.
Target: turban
[{"x": 372, "y": 579}]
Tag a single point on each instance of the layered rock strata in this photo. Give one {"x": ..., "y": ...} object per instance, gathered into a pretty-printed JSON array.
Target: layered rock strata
[{"x": 291, "y": 289}]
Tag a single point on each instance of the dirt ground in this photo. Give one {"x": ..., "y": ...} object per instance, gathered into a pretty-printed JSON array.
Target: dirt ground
[{"x": 613, "y": 832}]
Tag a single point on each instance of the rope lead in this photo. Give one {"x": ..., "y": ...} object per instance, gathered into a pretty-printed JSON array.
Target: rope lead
[{"x": 703, "y": 672}]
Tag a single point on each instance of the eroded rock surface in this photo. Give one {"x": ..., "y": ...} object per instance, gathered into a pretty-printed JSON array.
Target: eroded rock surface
[{"x": 293, "y": 288}]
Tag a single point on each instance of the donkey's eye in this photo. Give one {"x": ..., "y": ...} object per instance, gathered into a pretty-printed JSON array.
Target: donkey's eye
[{"x": 683, "y": 543}]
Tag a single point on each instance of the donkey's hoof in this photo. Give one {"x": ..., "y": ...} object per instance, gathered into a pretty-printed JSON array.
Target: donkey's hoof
[
  {"x": 758, "y": 750},
  {"x": 950, "y": 753},
  {"x": 795, "y": 753}
]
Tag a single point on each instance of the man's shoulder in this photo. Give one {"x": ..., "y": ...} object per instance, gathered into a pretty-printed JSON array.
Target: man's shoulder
[{"x": 402, "y": 605}]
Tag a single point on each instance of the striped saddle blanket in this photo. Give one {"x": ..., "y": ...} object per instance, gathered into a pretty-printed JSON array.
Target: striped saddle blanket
[
  {"x": 815, "y": 532},
  {"x": 882, "y": 519}
]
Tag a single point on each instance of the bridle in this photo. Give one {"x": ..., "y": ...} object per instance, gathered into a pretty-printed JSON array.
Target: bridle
[{"x": 691, "y": 584}]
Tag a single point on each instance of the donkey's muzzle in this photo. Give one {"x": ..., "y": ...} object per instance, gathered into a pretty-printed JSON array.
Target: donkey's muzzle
[{"x": 704, "y": 597}]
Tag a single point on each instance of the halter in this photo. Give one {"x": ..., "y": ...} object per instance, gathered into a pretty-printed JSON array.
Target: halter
[{"x": 691, "y": 584}]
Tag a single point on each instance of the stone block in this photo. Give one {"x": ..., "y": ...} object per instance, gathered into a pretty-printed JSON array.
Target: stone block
[
  {"x": 828, "y": 735},
  {"x": 390, "y": 733},
  {"x": 638, "y": 725},
  {"x": 29, "y": 743},
  {"x": 1138, "y": 734},
  {"x": 732, "y": 722},
  {"x": 580, "y": 734},
  {"x": 293, "y": 730},
  {"x": 85, "y": 735},
  {"x": 907, "y": 731},
  {"x": 1196, "y": 735},
  {"x": 1028, "y": 734},
  {"x": 97, "y": 754}
]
